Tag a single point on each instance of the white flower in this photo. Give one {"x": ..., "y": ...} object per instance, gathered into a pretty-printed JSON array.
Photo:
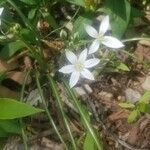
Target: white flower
[
  {"x": 78, "y": 66},
  {"x": 108, "y": 41},
  {"x": 1, "y": 11}
]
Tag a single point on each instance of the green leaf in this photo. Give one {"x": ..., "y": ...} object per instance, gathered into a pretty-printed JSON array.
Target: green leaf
[
  {"x": 77, "y": 2},
  {"x": 89, "y": 142},
  {"x": 126, "y": 105},
  {"x": 2, "y": 76},
  {"x": 133, "y": 116},
  {"x": 28, "y": 35},
  {"x": 143, "y": 107},
  {"x": 146, "y": 97},
  {"x": 10, "y": 49},
  {"x": 12, "y": 109},
  {"x": 120, "y": 15},
  {"x": 123, "y": 67},
  {"x": 10, "y": 126},
  {"x": 79, "y": 25},
  {"x": 29, "y": 2},
  {"x": 3, "y": 133},
  {"x": 85, "y": 113},
  {"x": 32, "y": 13}
]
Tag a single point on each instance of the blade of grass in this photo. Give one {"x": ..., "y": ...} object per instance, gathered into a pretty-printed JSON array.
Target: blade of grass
[
  {"x": 88, "y": 126},
  {"x": 24, "y": 137},
  {"x": 47, "y": 111},
  {"x": 56, "y": 96}
]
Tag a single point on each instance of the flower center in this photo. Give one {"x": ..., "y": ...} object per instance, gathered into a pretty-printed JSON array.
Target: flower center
[
  {"x": 100, "y": 37},
  {"x": 79, "y": 66}
]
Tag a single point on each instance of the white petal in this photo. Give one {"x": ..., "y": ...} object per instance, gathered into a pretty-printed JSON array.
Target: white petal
[
  {"x": 74, "y": 79},
  {"x": 104, "y": 25},
  {"x": 112, "y": 42},
  {"x": 91, "y": 62},
  {"x": 83, "y": 55},
  {"x": 71, "y": 56},
  {"x": 87, "y": 74},
  {"x": 94, "y": 46},
  {"x": 91, "y": 31},
  {"x": 1, "y": 10},
  {"x": 67, "y": 69}
]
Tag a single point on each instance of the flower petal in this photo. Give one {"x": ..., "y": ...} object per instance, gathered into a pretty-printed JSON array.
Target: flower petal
[
  {"x": 91, "y": 31},
  {"x": 71, "y": 56},
  {"x": 1, "y": 10},
  {"x": 67, "y": 69},
  {"x": 83, "y": 55},
  {"x": 104, "y": 25},
  {"x": 112, "y": 42},
  {"x": 94, "y": 46},
  {"x": 87, "y": 74},
  {"x": 74, "y": 79},
  {"x": 91, "y": 62}
]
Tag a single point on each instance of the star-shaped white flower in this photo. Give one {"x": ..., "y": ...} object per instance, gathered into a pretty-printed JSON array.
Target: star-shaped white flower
[
  {"x": 79, "y": 67},
  {"x": 1, "y": 11},
  {"x": 108, "y": 41}
]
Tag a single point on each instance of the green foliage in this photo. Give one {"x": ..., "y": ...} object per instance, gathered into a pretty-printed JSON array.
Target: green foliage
[
  {"x": 77, "y": 2},
  {"x": 50, "y": 19},
  {"x": 30, "y": 2},
  {"x": 89, "y": 142},
  {"x": 120, "y": 15},
  {"x": 82, "y": 115},
  {"x": 32, "y": 13},
  {"x": 79, "y": 24},
  {"x": 133, "y": 116},
  {"x": 126, "y": 105},
  {"x": 10, "y": 127},
  {"x": 12, "y": 109},
  {"x": 10, "y": 49},
  {"x": 20, "y": 19},
  {"x": 2, "y": 76},
  {"x": 25, "y": 34},
  {"x": 143, "y": 106},
  {"x": 123, "y": 67},
  {"x": 145, "y": 98}
]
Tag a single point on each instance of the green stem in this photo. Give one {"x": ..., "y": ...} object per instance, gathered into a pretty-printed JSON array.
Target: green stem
[
  {"x": 47, "y": 111},
  {"x": 56, "y": 95},
  {"x": 24, "y": 137},
  {"x": 75, "y": 101}
]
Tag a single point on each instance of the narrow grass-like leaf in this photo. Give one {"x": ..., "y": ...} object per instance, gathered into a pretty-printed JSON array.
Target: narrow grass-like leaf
[
  {"x": 88, "y": 126},
  {"x": 57, "y": 98},
  {"x": 47, "y": 111},
  {"x": 89, "y": 142}
]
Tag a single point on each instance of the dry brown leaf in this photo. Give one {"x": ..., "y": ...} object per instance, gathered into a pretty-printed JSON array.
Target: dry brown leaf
[
  {"x": 4, "y": 66},
  {"x": 119, "y": 115},
  {"x": 19, "y": 77},
  {"x": 5, "y": 92}
]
